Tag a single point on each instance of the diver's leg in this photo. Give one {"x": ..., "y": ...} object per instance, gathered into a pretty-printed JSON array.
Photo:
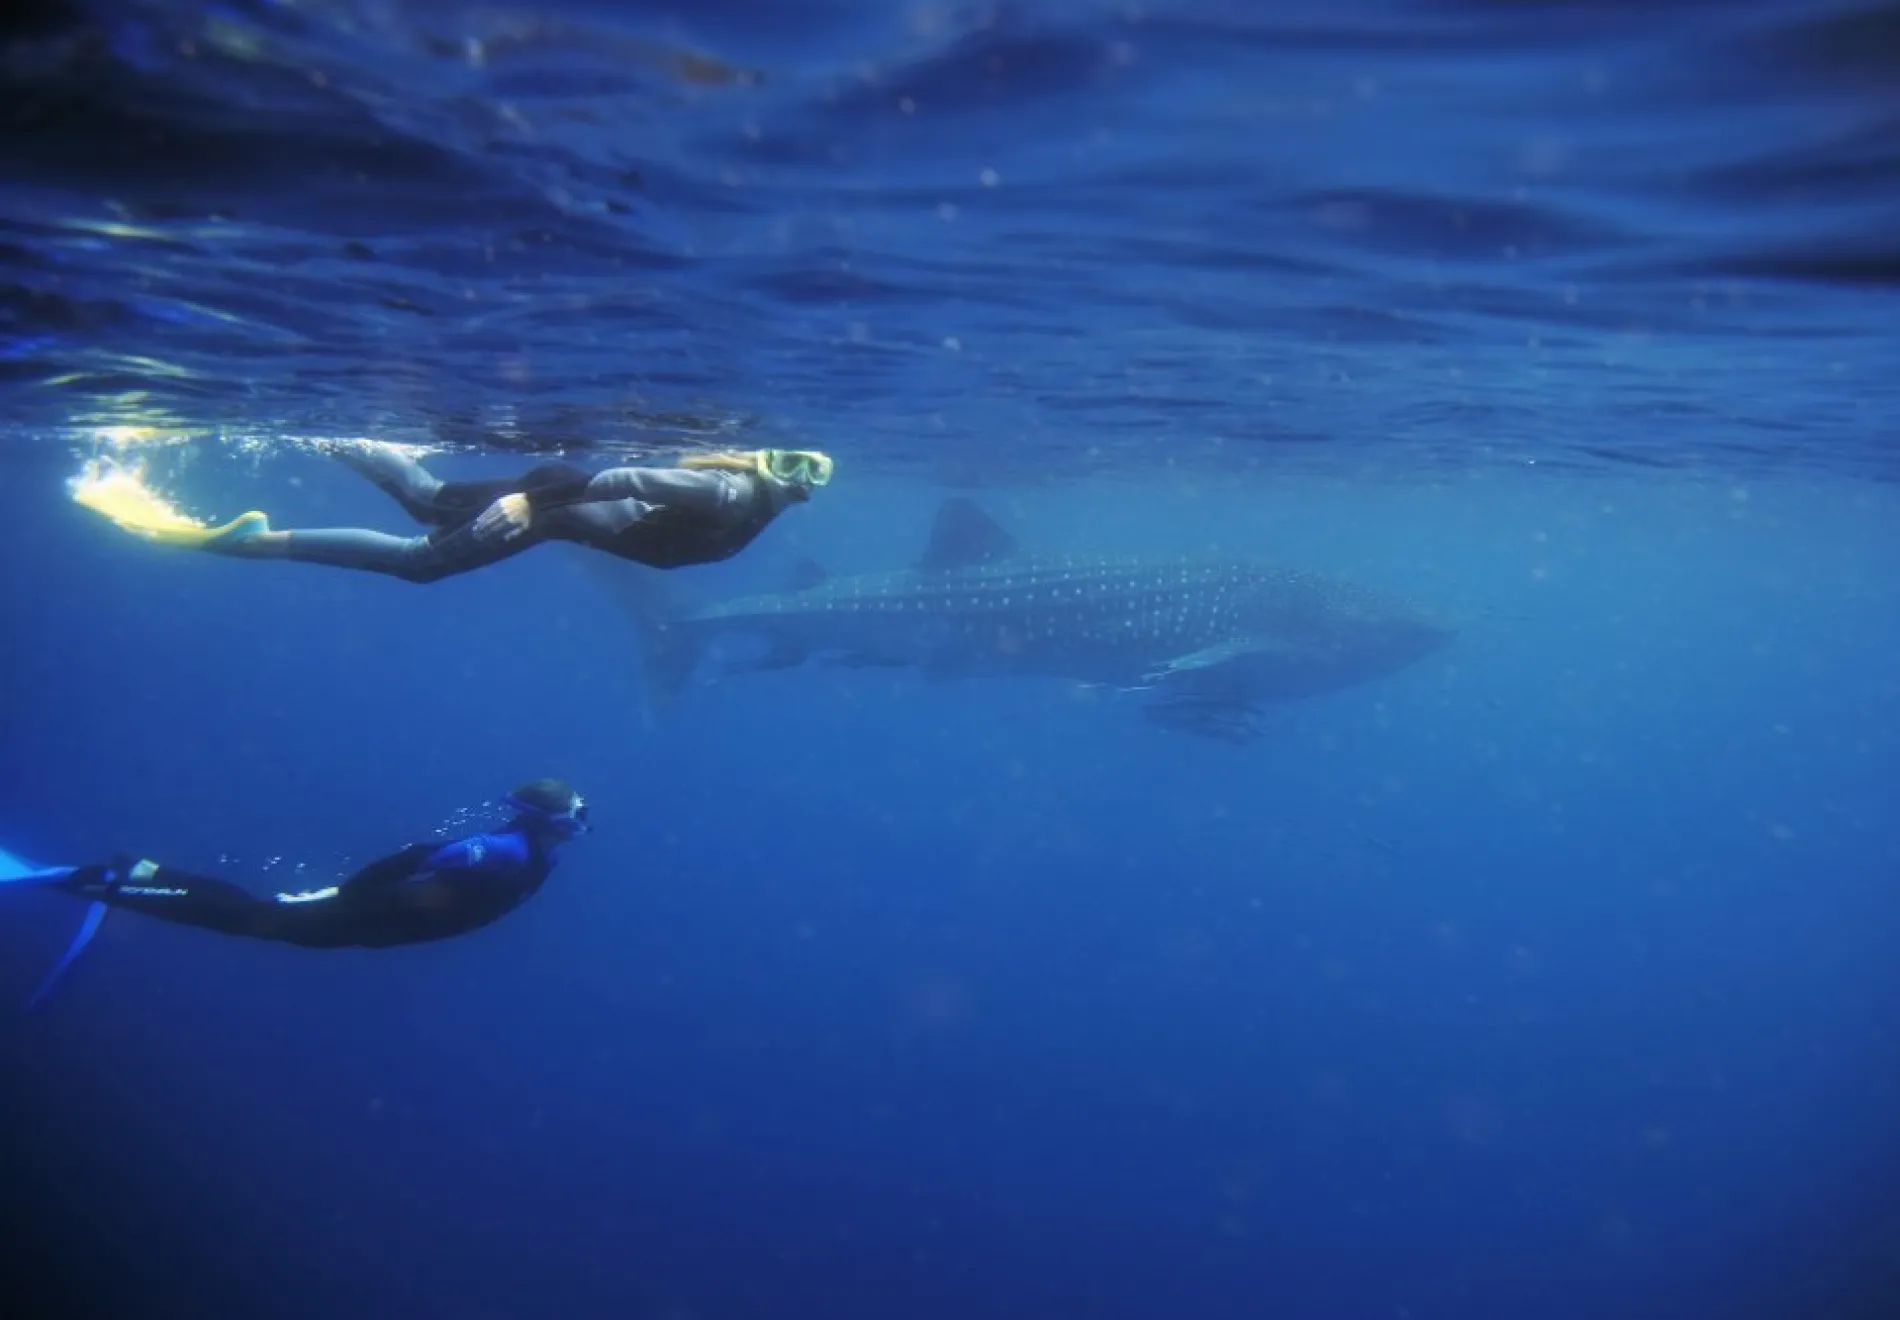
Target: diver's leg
[
  {"x": 366, "y": 909},
  {"x": 421, "y": 559},
  {"x": 462, "y": 500},
  {"x": 396, "y": 474},
  {"x": 178, "y": 896},
  {"x": 437, "y": 503}
]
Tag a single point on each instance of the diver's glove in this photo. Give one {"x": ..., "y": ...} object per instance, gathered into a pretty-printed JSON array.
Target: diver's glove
[{"x": 505, "y": 519}]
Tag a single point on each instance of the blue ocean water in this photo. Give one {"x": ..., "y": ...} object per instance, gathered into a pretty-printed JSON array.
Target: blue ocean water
[{"x": 1549, "y": 977}]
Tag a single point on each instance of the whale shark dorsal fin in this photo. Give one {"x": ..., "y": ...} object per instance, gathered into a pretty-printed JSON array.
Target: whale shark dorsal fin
[
  {"x": 964, "y": 536},
  {"x": 806, "y": 574}
]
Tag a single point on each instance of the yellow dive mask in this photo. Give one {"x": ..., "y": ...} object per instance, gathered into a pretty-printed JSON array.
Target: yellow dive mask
[{"x": 801, "y": 467}]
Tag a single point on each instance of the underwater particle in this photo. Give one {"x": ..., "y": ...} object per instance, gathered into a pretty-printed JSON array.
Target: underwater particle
[
  {"x": 940, "y": 1002},
  {"x": 1616, "y": 1231},
  {"x": 989, "y": 178},
  {"x": 1543, "y": 157}
]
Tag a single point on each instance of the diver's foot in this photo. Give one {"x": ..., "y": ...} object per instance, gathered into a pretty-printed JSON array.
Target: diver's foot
[
  {"x": 228, "y": 537},
  {"x": 241, "y": 531},
  {"x": 122, "y": 497},
  {"x": 391, "y": 470},
  {"x": 370, "y": 457},
  {"x": 104, "y": 878}
]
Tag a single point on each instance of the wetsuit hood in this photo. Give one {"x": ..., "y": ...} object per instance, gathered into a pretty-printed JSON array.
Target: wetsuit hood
[{"x": 550, "y": 806}]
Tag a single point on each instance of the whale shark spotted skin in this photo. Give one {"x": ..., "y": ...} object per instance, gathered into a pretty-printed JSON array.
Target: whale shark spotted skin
[{"x": 1208, "y": 643}]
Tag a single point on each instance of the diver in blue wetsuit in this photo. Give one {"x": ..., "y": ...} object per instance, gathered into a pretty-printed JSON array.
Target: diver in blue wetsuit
[{"x": 423, "y": 892}]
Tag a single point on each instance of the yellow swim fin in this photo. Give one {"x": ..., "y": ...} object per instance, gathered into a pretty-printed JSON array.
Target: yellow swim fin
[
  {"x": 118, "y": 494},
  {"x": 197, "y": 537}
]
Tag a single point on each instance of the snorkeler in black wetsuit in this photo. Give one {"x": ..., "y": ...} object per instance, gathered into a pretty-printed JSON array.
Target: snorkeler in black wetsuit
[
  {"x": 426, "y": 891},
  {"x": 708, "y": 508}
]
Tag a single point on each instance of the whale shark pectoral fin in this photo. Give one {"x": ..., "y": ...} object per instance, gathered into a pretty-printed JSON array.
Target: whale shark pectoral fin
[
  {"x": 867, "y": 660},
  {"x": 1207, "y": 658},
  {"x": 780, "y": 654}
]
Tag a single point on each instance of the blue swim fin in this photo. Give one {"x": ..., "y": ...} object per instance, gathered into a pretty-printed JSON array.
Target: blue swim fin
[
  {"x": 18, "y": 871},
  {"x": 95, "y": 917}
]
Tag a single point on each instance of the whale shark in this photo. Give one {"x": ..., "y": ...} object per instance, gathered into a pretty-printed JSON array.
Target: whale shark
[{"x": 1205, "y": 645}]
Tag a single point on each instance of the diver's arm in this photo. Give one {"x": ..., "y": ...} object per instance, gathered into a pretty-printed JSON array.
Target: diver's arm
[
  {"x": 558, "y": 491},
  {"x": 674, "y": 488},
  {"x": 425, "y": 872},
  {"x": 477, "y": 852},
  {"x": 700, "y": 492}
]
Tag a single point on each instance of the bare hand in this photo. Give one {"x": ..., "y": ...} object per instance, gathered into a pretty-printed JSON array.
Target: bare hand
[{"x": 507, "y": 518}]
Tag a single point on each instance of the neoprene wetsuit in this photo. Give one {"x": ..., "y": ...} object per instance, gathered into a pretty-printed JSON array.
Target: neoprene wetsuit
[
  {"x": 423, "y": 892},
  {"x": 663, "y": 517}
]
